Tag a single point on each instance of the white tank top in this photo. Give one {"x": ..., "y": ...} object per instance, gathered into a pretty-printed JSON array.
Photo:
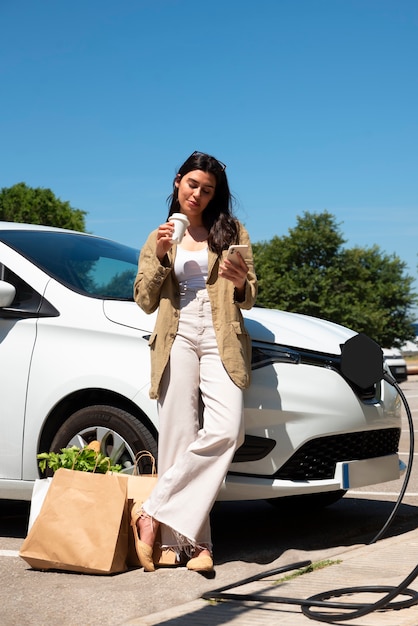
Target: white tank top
[{"x": 191, "y": 268}]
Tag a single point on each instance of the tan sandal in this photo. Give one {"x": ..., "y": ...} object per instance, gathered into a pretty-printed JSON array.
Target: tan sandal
[
  {"x": 143, "y": 550},
  {"x": 200, "y": 563}
]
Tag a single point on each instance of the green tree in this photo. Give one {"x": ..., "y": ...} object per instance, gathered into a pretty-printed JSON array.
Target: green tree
[
  {"x": 21, "y": 203},
  {"x": 309, "y": 271}
]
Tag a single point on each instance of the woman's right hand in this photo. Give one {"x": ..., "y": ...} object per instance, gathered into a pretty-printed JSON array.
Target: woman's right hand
[{"x": 164, "y": 239}]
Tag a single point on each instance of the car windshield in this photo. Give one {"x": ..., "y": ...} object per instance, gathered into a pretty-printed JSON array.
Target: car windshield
[{"x": 90, "y": 265}]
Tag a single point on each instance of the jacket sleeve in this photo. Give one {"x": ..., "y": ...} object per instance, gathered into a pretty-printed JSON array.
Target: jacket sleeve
[
  {"x": 251, "y": 285},
  {"x": 150, "y": 277}
]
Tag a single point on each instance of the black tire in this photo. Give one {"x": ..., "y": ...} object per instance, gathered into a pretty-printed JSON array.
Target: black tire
[
  {"x": 309, "y": 501},
  {"x": 121, "y": 435}
]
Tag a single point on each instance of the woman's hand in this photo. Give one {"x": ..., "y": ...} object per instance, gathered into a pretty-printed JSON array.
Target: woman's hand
[
  {"x": 236, "y": 273},
  {"x": 164, "y": 239}
]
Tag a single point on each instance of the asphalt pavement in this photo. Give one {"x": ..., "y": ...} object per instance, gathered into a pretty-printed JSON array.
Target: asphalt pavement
[{"x": 386, "y": 563}]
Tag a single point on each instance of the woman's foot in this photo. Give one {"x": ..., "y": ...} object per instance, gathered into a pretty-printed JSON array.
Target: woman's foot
[
  {"x": 201, "y": 562},
  {"x": 145, "y": 530}
]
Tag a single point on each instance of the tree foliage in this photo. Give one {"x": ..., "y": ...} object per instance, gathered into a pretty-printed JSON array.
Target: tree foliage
[
  {"x": 310, "y": 271},
  {"x": 21, "y": 203}
]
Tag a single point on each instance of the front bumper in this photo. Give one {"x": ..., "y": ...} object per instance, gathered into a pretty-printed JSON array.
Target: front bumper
[{"x": 348, "y": 475}]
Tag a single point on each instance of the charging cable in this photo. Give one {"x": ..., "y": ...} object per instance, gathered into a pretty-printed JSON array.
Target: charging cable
[{"x": 408, "y": 471}]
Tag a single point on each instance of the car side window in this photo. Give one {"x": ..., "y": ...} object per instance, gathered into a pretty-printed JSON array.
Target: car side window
[{"x": 26, "y": 300}]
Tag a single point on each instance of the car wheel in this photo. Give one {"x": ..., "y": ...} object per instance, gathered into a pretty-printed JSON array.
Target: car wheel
[
  {"x": 120, "y": 434},
  {"x": 308, "y": 501}
]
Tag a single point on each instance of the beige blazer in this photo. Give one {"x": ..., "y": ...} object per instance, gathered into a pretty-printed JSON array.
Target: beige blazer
[{"x": 156, "y": 286}]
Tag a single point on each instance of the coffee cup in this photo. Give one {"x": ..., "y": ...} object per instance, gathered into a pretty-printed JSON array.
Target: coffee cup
[{"x": 180, "y": 222}]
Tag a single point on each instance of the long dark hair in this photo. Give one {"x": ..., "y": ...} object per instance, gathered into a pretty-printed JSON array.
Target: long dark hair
[{"x": 218, "y": 218}]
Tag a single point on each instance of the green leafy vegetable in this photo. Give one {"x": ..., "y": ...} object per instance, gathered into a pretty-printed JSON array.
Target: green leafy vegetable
[{"x": 81, "y": 459}]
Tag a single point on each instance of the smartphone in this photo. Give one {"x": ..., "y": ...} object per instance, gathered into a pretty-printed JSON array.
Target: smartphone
[{"x": 232, "y": 252}]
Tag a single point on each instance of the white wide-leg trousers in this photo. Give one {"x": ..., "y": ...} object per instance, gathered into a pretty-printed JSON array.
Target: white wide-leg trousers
[{"x": 200, "y": 427}]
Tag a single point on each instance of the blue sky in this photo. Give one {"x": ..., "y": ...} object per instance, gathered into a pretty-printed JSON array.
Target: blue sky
[{"x": 311, "y": 103}]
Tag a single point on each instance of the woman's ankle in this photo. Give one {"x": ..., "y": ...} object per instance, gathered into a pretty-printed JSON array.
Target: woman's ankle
[
  {"x": 147, "y": 528},
  {"x": 201, "y": 551}
]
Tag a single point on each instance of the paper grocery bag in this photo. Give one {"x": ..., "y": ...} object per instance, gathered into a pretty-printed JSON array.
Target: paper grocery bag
[{"x": 82, "y": 526}]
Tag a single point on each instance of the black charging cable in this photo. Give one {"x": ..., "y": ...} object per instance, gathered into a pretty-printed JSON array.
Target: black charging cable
[
  {"x": 318, "y": 607},
  {"x": 408, "y": 470},
  {"x": 360, "y": 609}
]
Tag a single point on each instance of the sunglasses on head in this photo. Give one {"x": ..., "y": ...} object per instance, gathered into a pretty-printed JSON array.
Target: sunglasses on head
[{"x": 196, "y": 153}]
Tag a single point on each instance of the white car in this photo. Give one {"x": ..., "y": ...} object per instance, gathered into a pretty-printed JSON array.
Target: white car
[
  {"x": 410, "y": 348},
  {"x": 74, "y": 363},
  {"x": 396, "y": 364}
]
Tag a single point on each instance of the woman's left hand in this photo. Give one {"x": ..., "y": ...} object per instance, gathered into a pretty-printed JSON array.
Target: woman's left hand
[{"x": 235, "y": 272}]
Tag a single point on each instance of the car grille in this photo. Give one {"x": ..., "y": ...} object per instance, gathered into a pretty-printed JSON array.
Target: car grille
[{"x": 316, "y": 459}]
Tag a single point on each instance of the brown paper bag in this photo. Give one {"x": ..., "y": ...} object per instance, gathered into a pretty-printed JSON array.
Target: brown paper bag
[{"x": 82, "y": 526}]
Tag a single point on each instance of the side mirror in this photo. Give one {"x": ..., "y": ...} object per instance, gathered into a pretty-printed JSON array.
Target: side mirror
[{"x": 7, "y": 294}]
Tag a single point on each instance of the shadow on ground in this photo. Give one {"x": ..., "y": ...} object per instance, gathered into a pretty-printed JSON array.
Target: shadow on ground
[{"x": 259, "y": 532}]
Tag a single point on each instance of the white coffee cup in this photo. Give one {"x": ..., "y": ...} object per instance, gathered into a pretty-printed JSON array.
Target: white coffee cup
[{"x": 180, "y": 222}]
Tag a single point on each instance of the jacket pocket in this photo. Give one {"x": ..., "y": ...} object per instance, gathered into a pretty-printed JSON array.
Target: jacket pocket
[
  {"x": 244, "y": 340},
  {"x": 237, "y": 354}
]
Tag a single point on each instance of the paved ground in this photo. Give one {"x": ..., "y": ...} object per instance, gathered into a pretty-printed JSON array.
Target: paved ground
[{"x": 386, "y": 563}]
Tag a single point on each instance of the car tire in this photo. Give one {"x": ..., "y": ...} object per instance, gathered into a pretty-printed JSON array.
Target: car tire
[
  {"x": 122, "y": 436},
  {"x": 308, "y": 501}
]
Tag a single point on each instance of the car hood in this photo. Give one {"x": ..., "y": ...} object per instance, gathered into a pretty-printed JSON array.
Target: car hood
[
  {"x": 267, "y": 325},
  {"x": 296, "y": 330}
]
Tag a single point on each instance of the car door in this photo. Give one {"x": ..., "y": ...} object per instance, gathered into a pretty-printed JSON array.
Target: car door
[{"x": 17, "y": 339}]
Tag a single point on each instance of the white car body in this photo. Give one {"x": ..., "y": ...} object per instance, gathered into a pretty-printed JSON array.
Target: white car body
[
  {"x": 62, "y": 351},
  {"x": 396, "y": 364}
]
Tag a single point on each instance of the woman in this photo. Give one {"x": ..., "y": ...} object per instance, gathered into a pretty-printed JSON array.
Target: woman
[{"x": 200, "y": 359}]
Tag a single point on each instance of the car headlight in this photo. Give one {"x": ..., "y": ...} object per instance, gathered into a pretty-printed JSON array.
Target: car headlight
[{"x": 263, "y": 355}]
